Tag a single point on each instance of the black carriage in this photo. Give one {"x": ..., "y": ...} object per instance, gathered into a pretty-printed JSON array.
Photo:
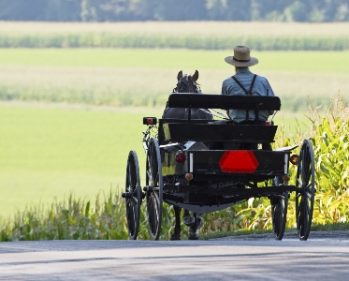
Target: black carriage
[{"x": 207, "y": 165}]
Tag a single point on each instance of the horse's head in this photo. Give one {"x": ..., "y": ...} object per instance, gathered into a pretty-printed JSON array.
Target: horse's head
[{"x": 187, "y": 83}]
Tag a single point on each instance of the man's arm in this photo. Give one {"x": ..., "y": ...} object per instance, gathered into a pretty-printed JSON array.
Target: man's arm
[
  {"x": 269, "y": 92},
  {"x": 268, "y": 88},
  {"x": 225, "y": 93},
  {"x": 227, "y": 87},
  {"x": 224, "y": 88}
]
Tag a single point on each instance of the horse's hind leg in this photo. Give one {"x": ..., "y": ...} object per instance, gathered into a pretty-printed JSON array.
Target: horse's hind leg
[
  {"x": 176, "y": 235},
  {"x": 194, "y": 227},
  {"x": 194, "y": 222},
  {"x": 188, "y": 219}
]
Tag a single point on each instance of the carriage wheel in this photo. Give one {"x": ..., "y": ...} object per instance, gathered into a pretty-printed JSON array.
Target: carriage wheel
[
  {"x": 279, "y": 213},
  {"x": 279, "y": 206},
  {"x": 305, "y": 183},
  {"x": 154, "y": 189},
  {"x": 133, "y": 195}
]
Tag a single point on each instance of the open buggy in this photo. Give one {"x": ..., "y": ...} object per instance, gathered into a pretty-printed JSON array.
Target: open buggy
[{"x": 207, "y": 165}]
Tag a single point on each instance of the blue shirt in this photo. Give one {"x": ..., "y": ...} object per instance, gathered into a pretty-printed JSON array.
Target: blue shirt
[{"x": 261, "y": 88}]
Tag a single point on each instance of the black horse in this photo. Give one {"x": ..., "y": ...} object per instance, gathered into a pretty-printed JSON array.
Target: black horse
[{"x": 187, "y": 84}]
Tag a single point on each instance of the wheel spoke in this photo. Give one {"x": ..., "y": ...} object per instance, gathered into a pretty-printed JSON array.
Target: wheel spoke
[
  {"x": 135, "y": 200},
  {"x": 149, "y": 175},
  {"x": 310, "y": 187},
  {"x": 128, "y": 178}
]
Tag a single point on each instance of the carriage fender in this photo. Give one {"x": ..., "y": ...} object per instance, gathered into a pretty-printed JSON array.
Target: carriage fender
[{"x": 286, "y": 148}]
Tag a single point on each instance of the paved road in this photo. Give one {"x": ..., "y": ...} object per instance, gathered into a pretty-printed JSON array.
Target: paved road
[{"x": 324, "y": 257}]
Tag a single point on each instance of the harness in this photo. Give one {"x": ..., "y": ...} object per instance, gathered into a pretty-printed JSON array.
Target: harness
[{"x": 248, "y": 93}]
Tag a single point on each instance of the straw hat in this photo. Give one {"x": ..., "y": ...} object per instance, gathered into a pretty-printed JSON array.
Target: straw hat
[{"x": 241, "y": 57}]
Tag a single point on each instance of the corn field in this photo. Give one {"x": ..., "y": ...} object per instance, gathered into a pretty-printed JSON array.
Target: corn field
[
  {"x": 189, "y": 35},
  {"x": 190, "y": 41}
]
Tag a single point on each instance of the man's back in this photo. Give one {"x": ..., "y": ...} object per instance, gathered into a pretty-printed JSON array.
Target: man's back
[{"x": 244, "y": 82}]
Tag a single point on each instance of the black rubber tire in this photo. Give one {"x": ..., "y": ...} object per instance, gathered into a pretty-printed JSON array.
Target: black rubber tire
[
  {"x": 133, "y": 195},
  {"x": 305, "y": 183},
  {"x": 154, "y": 191},
  {"x": 279, "y": 206}
]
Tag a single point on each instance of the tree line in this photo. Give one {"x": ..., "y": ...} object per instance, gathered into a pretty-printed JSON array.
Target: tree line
[{"x": 172, "y": 10}]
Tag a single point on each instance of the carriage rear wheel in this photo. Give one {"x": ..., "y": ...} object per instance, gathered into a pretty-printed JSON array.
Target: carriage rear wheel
[
  {"x": 305, "y": 183},
  {"x": 154, "y": 189},
  {"x": 279, "y": 206},
  {"x": 132, "y": 195}
]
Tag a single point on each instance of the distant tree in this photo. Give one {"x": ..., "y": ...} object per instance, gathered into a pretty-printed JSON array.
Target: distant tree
[
  {"x": 22, "y": 10},
  {"x": 296, "y": 11},
  {"x": 86, "y": 11},
  {"x": 239, "y": 10},
  {"x": 129, "y": 10},
  {"x": 336, "y": 10},
  {"x": 217, "y": 9},
  {"x": 180, "y": 10},
  {"x": 272, "y": 10},
  {"x": 342, "y": 12},
  {"x": 62, "y": 10},
  {"x": 113, "y": 10}
]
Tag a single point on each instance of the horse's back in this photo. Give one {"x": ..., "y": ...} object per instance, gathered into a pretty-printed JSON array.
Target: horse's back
[{"x": 183, "y": 113}]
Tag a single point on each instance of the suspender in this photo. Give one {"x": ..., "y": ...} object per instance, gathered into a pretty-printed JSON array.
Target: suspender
[{"x": 248, "y": 93}]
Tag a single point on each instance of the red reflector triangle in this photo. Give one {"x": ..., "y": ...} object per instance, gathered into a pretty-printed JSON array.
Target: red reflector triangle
[{"x": 238, "y": 161}]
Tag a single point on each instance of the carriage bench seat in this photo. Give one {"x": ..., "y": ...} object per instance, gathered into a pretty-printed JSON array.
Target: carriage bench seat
[
  {"x": 224, "y": 102},
  {"x": 176, "y": 131}
]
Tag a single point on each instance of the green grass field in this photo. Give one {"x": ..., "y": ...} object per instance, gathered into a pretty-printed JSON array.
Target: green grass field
[
  {"x": 48, "y": 152},
  {"x": 300, "y": 61}
]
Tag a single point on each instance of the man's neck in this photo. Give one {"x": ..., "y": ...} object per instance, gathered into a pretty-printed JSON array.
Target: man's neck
[{"x": 242, "y": 69}]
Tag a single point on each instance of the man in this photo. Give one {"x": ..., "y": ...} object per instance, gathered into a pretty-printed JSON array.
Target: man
[{"x": 244, "y": 82}]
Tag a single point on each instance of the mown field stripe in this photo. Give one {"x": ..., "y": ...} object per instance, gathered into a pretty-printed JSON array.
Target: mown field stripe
[{"x": 299, "y": 61}]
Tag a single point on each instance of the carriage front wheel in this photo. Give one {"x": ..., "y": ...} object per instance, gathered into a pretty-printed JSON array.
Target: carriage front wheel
[
  {"x": 279, "y": 213},
  {"x": 305, "y": 183},
  {"x": 132, "y": 195},
  {"x": 154, "y": 189},
  {"x": 279, "y": 204}
]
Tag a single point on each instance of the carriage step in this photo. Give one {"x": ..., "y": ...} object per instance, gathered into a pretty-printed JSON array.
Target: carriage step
[
  {"x": 126, "y": 195},
  {"x": 150, "y": 188}
]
